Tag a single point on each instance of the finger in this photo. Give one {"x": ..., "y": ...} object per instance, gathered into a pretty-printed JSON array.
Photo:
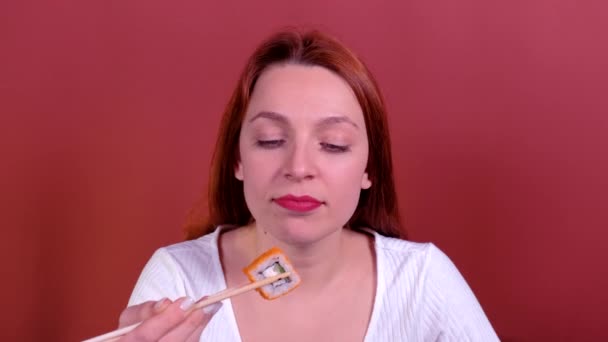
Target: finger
[
  {"x": 209, "y": 311},
  {"x": 155, "y": 327},
  {"x": 195, "y": 335},
  {"x": 137, "y": 313},
  {"x": 182, "y": 331},
  {"x": 192, "y": 327}
]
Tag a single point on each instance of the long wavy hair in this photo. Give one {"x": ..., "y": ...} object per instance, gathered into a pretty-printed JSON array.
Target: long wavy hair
[{"x": 377, "y": 208}]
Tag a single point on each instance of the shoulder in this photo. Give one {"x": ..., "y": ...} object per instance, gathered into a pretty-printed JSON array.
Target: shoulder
[
  {"x": 424, "y": 261},
  {"x": 188, "y": 268},
  {"x": 404, "y": 264},
  {"x": 395, "y": 250},
  {"x": 399, "y": 246},
  {"x": 409, "y": 268},
  {"x": 434, "y": 293},
  {"x": 191, "y": 257},
  {"x": 204, "y": 246}
]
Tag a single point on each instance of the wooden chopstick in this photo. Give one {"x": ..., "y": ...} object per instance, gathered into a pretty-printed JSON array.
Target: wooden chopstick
[{"x": 201, "y": 303}]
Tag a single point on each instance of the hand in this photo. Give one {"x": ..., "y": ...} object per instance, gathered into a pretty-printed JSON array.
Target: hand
[{"x": 164, "y": 320}]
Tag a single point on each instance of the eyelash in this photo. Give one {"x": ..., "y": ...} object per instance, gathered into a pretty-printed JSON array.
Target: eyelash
[
  {"x": 331, "y": 148},
  {"x": 335, "y": 148},
  {"x": 270, "y": 144}
]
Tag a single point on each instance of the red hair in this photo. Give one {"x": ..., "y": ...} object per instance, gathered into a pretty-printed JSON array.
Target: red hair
[{"x": 377, "y": 208}]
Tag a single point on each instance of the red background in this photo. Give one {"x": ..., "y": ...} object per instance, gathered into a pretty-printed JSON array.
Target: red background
[{"x": 498, "y": 112}]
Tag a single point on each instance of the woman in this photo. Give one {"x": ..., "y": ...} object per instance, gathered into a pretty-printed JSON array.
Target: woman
[{"x": 311, "y": 173}]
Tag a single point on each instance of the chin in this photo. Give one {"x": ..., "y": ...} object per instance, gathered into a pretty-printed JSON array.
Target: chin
[{"x": 300, "y": 232}]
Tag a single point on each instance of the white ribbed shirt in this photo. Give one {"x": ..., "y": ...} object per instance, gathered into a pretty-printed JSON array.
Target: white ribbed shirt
[{"x": 420, "y": 295}]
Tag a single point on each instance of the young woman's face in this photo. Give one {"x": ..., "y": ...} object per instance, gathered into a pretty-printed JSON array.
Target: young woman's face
[{"x": 303, "y": 152}]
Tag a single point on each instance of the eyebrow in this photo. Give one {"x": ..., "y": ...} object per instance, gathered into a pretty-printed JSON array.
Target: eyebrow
[
  {"x": 280, "y": 118},
  {"x": 332, "y": 120},
  {"x": 271, "y": 116}
]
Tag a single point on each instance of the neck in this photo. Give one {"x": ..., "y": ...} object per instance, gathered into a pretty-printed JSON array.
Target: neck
[{"x": 319, "y": 263}]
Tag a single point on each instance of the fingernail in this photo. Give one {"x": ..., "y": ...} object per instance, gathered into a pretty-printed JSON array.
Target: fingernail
[
  {"x": 158, "y": 305},
  {"x": 186, "y": 304},
  {"x": 212, "y": 309}
]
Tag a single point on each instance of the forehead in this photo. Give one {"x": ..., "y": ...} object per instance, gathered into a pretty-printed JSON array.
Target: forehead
[{"x": 302, "y": 91}]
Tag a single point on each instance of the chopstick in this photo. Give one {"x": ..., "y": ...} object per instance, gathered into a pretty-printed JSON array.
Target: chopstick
[{"x": 201, "y": 303}]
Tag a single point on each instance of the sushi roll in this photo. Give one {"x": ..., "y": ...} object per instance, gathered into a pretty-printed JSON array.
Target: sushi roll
[
  {"x": 272, "y": 263},
  {"x": 262, "y": 272}
]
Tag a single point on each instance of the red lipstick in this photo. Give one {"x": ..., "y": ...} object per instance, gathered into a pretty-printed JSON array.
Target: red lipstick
[{"x": 300, "y": 204}]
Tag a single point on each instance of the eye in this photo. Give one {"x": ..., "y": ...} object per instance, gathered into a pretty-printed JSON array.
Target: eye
[
  {"x": 334, "y": 148},
  {"x": 270, "y": 144}
]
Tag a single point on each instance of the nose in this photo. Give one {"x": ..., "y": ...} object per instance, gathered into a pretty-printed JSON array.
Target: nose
[{"x": 299, "y": 164}]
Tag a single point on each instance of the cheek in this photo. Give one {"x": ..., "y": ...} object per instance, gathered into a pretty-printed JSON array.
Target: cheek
[
  {"x": 345, "y": 198},
  {"x": 347, "y": 172},
  {"x": 347, "y": 183},
  {"x": 259, "y": 165},
  {"x": 253, "y": 186},
  {"x": 258, "y": 172},
  {"x": 345, "y": 186}
]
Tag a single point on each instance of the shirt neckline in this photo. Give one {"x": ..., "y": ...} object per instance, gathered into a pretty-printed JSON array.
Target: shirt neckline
[{"x": 379, "y": 293}]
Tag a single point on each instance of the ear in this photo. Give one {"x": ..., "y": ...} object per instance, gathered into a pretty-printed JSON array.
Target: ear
[
  {"x": 238, "y": 171},
  {"x": 366, "y": 183}
]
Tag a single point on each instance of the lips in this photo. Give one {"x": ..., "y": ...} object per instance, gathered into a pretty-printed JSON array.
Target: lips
[{"x": 300, "y": 204}]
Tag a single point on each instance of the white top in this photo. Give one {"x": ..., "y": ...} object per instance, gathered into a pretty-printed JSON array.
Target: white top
[{"x": 420, "y": 295}]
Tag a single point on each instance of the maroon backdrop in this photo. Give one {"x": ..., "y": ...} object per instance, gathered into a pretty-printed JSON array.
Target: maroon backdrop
[{"x": 498, "y": 112}]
